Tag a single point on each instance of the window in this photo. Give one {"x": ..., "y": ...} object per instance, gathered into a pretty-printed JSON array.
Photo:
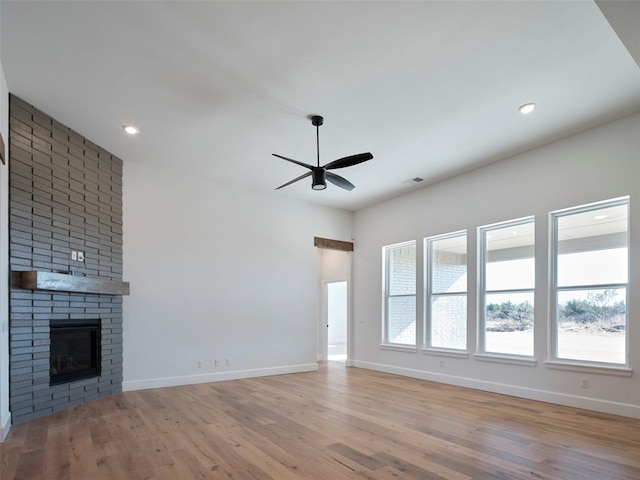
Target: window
[
  {"x": 507, "y": 285},
  {"x": 446, "y": 292},
  {"x": 400, "y": 294},
  {"x": 590, "y": 271}
]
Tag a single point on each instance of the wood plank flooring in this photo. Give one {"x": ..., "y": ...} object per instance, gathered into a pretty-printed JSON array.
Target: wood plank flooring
[{"x": 338, "y": 423}]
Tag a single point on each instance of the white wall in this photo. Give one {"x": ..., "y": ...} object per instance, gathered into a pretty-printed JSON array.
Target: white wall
[
  {"x": 5, "y": 417},
  {"x": 624, "y": 18},
  {"x": 334, "y": 264},
  {"x": 599, "y": 164},
  {"x": 218, "y": 273}
]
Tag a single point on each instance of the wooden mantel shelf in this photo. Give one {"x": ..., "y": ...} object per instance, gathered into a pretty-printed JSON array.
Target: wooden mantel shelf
[{"x": 63, "y": 282}]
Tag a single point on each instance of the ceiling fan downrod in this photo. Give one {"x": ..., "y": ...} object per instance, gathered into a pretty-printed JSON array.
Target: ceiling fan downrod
[{"x": 316, "y": 121}]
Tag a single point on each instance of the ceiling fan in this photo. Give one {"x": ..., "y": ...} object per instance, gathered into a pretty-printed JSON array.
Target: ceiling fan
[{"x": 319, "y": 175}]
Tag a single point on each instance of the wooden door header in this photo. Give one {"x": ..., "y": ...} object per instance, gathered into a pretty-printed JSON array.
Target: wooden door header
[{"x": 332, "y": 244}]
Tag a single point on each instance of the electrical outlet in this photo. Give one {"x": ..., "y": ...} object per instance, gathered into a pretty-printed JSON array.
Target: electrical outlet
[
  {"x": 441, "y": 363},
  {"x": 216, "y": 362},
  {"x": 227, "y": 362},
  {"x": 80, "y": 256},
  {"x": 200, "y": 364},
  {"x": 584, "y": 383},
  {"x": 74, "y": 255}
]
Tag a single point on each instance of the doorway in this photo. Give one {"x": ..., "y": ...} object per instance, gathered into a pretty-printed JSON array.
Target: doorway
[{"x": 337, "y": 321}]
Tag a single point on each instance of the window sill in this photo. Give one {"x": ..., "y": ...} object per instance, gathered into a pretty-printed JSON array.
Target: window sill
[
  {"x": 399, "y": 348},
  {"x": 445, "y": 352},
  {"x": 507, "y": 359},
  {"x": 597, "y": 369}
]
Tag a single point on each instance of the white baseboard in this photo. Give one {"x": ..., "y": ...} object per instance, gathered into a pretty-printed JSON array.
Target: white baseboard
[
  {"x": 131, "y": 385},
  {"x": 604, "y": 406},
  {"x": 4, "y": 428}
]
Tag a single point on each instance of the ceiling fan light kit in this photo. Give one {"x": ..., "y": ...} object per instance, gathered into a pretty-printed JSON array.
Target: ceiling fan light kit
[
  {"x": 318, "y": 179},
  {"x": 319, "y": 174}
]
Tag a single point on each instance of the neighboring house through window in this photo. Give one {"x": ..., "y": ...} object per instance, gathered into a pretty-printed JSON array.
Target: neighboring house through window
[
  {"x": 400, "y": 294},
  {"x": 446, "y": 291}
]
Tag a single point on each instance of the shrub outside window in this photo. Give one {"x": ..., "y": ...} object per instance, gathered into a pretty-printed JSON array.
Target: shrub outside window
[
  {"x": 590, "y": 274},
  {"x": 446, "y": 291},
  {"x": 400, "y": 294},
  {"x": 507, "y": 273}
]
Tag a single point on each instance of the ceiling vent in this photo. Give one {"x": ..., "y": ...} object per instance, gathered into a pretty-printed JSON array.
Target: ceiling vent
[{"x": 412, "y": 180}]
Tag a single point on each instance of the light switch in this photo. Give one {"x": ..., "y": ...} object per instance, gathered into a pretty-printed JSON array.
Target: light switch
[{"x": 74, "y": 255}]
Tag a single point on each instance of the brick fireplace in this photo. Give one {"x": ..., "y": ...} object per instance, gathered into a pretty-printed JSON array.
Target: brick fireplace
[{"x": 65, "y": 195}]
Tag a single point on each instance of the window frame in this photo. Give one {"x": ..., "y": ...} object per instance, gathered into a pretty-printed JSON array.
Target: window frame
[
  {"x": 429, "y": 294},
  {"x": 560, "y": 362},
  {"x": 386, "y": 296},
  {"x": 482, "y": 293}
]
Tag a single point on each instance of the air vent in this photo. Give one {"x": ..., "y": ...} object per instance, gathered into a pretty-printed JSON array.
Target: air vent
[{"x": 412, "y": 180}]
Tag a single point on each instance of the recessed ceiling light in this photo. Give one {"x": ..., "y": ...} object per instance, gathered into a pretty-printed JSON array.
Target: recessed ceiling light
[
  {"x": 131, "y": 129},
  {"x": 600, "y": 217},
  {"x": 527, "y": 108},
  {"x": 515, "y": 232}
]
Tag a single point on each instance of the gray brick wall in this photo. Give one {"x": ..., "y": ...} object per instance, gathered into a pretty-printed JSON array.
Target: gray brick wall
[
  {"x": 401, "y": 321},
  {"x": 65, "y": 193},
  {"x": 449, "y": 313}
]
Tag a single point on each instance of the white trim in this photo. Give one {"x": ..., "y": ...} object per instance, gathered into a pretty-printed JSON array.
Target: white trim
[
  {"x": 604, "y": 406},
  {"x": 497, "y": 358},
  {"x": 349, "y": 363},
  {"x": 5, "y": 427},
  {"x": 131, "y": 385},
  {"x": 399, "y": 348},
  {"x": 597, "y": 369},
  {"x": 588, "y": 207},
  {"x": 442, "y": 352},
  {"x": 350, "y": 317},
  {"x": 323, "y": 317},
  {"x": 552, "y": 336}
]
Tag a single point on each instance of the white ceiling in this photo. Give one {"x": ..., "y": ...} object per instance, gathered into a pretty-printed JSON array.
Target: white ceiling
[{"x": 430, "y": 88}]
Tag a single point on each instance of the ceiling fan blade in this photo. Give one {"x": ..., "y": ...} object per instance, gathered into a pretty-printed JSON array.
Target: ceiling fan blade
[
  {"x": 304, "y": 175},
  {"x": 348, "y": 161},
  {"x": 292, "y": 161},
  {"x": 340, "y": 181}
]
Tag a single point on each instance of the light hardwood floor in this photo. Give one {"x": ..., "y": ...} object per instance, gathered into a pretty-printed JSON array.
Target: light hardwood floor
[{"x": 338, "y": 423}]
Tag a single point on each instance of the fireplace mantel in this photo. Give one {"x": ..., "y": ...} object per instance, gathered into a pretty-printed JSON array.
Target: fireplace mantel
[{"x": 63, "y": 282}]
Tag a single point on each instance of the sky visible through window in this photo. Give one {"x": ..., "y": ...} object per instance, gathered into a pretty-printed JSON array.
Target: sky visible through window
[
  {"x": 509, "y": 275},
  {"x": 595, "y": 267}
]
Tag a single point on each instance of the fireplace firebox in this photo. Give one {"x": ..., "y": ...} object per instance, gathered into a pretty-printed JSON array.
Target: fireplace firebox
[{"x": 75, "y": 350}]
